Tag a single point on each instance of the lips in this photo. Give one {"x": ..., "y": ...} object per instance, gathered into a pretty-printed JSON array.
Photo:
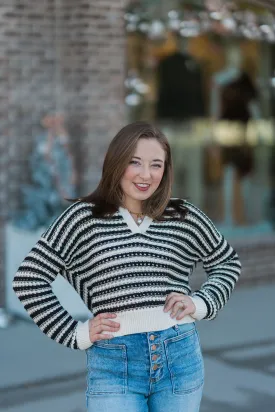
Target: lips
[{"x": 143, "y": 187}]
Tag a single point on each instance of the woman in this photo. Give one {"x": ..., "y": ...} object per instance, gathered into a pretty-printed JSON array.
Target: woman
[{"x": 129, "y": 250}]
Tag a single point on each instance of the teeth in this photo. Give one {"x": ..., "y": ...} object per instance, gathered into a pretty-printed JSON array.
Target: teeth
[{"x": 142, "y": 184}]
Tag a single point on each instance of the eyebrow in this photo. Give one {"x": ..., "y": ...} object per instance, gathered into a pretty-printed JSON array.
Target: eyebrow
[{"x": 154, "y": 160}]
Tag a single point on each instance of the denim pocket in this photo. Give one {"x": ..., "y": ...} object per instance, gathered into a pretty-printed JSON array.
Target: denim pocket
[
  {"x": 107, "y": 369},
  {"x": 185, "y": 362}
]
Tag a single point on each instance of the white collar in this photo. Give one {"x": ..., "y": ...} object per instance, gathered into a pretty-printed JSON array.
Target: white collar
[{"x": 130, "y": 221}]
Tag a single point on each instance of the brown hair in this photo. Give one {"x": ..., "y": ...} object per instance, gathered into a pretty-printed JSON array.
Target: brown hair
[{"x": 108, "y": 195}]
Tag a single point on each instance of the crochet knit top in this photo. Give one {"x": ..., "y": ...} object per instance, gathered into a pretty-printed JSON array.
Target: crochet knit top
[{"x": 117, "y": 266}]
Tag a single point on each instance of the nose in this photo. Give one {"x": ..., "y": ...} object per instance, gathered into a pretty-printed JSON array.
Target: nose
[{"x": 145, "y": 173}]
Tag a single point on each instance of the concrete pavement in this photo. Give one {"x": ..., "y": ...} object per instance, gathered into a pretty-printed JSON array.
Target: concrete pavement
[{"x": 36, "y": 374}]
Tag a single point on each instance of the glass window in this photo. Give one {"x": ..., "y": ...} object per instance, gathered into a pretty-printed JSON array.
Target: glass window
[{"x": 212, "y": 93}]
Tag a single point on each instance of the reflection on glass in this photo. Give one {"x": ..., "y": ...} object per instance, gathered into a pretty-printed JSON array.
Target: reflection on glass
[
  {"x": 208, "y": 94},
  {"x": 53, "y": 177}
]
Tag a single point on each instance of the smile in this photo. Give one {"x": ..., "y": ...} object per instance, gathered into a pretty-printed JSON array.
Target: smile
[{"x": 142, "y": 186}]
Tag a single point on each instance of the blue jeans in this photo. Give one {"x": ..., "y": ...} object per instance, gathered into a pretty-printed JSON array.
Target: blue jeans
[{"x": 156, "y": 372}]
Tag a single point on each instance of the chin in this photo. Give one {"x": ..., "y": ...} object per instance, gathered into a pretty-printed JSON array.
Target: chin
[{"x": 144, "y": 196}]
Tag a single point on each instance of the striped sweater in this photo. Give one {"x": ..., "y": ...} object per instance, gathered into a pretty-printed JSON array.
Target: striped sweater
[{"x": 117, "y": 266}]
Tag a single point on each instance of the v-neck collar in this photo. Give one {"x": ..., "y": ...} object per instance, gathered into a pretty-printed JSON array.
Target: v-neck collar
[{"x": 131, "y": 223}]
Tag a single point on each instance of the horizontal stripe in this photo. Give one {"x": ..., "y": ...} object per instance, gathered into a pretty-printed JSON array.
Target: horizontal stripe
[{"x": 115, "y": 268}]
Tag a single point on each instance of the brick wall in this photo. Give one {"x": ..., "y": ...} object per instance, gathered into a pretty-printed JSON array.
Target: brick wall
[
  {"x": 63, "y": 55},
  {"x": 4, "y": 133}
]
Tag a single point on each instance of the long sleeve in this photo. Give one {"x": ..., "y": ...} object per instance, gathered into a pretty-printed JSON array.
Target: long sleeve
[
  {"x": 32, "y": 282},
  {"x": 221, "y": 264}
]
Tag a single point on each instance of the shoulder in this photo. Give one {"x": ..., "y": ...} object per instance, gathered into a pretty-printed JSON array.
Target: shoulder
[
  {"x": 175, "y": 210},
  {"x": 76, "y": 211},
  {"x": 183, "y": 205},
  {"x": 194, "y": 212},
  {"x": 192, "y": 209},
  {"x": 195, "y": 216},
  {"x": 75, "y": 215}
]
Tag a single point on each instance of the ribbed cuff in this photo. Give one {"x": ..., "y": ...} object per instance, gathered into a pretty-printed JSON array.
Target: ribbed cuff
[
  {"x": 201, "y": 308},
  {"x": 83, "y": 335}
]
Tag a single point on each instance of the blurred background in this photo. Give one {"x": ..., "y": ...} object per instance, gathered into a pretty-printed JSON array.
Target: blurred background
[{"x": 72, "y": 73}]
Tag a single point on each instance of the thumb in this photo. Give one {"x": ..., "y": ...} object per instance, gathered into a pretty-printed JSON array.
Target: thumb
[{"x": 183, "y": 313}]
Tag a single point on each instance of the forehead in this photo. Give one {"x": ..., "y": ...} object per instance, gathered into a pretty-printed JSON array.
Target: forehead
[{"x": 149, "y": 148}]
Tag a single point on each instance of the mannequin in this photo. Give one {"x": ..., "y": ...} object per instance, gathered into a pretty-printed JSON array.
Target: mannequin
[
  {"x": 234, "y": 100},
  {"x": 180, "y": 99},
  {"x": 225, "y": 76},
  {"x": 180, "y": 89}
]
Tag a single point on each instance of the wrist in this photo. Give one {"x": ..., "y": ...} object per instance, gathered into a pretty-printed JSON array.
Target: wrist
[
  {"x": 83, "y": 335},
  {"x": 200, "y": 308}
]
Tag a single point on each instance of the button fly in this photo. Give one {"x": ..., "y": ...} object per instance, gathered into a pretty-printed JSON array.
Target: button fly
[{"x": 156, "y": 355}]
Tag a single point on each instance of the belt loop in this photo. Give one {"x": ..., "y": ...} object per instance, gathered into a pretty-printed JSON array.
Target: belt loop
[{"x": 176, "y": 328}]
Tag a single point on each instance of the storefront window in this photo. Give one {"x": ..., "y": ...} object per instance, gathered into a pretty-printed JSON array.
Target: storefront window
[{"x": 212, "y": 92}]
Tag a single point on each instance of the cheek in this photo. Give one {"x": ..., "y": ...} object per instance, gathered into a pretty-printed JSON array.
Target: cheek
[
  {"x": 128, "y": 175},
  {"x": 157, "y": 176}
]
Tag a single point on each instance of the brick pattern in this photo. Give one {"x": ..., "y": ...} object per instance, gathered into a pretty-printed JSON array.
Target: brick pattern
[
  {"x": 92, "y": 67},
  {"x": 5, "y": 151},
  {"x": 65, "y": 56}
]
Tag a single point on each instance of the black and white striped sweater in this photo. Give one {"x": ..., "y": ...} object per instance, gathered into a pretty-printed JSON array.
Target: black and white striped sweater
[{"x": 117, "y": 266}]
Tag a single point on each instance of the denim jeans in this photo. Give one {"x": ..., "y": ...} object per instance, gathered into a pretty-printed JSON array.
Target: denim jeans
[{"x": 146, "y": 372}]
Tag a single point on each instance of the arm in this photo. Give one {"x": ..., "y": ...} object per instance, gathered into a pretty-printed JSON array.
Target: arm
[
  {"x": 221, "y": 264},
  {"x": 32, "y": 282}
]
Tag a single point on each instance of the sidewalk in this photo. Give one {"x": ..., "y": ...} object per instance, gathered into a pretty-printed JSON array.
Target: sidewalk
[{"x": 38, "y": 375}]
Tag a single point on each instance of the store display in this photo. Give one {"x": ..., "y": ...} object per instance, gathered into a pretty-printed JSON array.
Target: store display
[
  {"x": 232, "y": 94},
  {"x": 180, "y": 89},
  {"x": 224, "y": 18},
  {"x": 209, "y": 64}
]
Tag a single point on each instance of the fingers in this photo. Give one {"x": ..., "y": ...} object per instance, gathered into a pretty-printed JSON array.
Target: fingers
[
  {"x": 183, "y": 313},
  {"x": 97, "y": 322},
  {"x": 102, "y": 323},
  {"x": 104, "y": 318},
  {"x": 103, "y": 328},
  {"x": 171, "y": 299},
  {"x": 179, "y": 311},
  {"x": 101, "y": 336},
  {"x": 98, "y": 332},
  {"x": 179, "y": 304}
]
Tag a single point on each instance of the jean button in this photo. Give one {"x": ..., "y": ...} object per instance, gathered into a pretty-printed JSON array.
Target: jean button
[
  {"x": 152, "y": 337},
  {"x": 154, "y": 347},
  {"x": 155, "y": 367},
  {"x": 154, "y": 357}
]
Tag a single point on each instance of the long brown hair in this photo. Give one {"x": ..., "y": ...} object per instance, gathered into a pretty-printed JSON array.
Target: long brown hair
[{"x": 108, "y": 195}]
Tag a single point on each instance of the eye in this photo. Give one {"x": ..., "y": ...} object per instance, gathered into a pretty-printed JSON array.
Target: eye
[
  {"x": 134, "y": 162},
  {"x": 157, "y": 165}
]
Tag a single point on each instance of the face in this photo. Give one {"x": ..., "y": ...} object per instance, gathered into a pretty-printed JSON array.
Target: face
[{"x": 143, "y": 174}]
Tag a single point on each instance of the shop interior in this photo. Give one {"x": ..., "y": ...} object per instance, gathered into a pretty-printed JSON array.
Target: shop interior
[{"x": 206, "y": 77}]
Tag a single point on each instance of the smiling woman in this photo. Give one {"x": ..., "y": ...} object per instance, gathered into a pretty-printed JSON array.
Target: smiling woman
[
  {"x": 143, "y": 175},
  {"x": 137, "y": 173},
  {"x": 128, "y": 249}
]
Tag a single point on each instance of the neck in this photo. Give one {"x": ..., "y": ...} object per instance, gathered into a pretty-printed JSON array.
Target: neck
[{"x": 133, "y": 206}]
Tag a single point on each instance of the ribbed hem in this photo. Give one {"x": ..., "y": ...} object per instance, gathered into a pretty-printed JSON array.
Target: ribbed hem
[
  {"x": 201, "y": 308},
  {"x": 83, "y": 335},
  {"x": 146, "y": 320},
  {"x": 141, "y": 321}
]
